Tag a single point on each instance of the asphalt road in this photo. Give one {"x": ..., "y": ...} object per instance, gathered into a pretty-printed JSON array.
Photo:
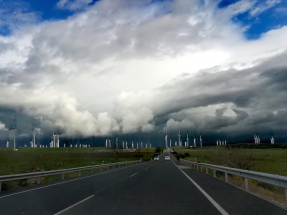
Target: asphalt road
[{"x": 157, "y": 187}]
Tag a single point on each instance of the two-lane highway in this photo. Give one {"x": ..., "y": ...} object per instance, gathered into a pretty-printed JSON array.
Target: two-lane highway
[{"x": 157, "y": 187}]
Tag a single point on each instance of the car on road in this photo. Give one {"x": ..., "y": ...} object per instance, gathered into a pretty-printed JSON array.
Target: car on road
[
  {"x": 156, "y": 158},
  {"x": 167, "y": 158}
]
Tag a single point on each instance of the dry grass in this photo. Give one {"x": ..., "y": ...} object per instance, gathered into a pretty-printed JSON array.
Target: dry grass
[{"x": 272, "y": 193}]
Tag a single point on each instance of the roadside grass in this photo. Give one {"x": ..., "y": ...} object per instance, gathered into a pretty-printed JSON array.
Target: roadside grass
[
  {"x": 273, "y": 161},
  {"x": 44, "y": 159},
  {"x": 266, "y": 160}
]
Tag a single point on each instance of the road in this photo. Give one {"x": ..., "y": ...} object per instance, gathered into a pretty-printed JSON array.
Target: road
[{"x": 157, "y": 187}]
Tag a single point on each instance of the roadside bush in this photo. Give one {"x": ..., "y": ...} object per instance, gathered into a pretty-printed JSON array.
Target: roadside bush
[
  {"x": 137, "y": 156},
  {"x": 178, "y": 156},
  {"x": 187, "y": 154},
  {"x": 157, "y": 150}
]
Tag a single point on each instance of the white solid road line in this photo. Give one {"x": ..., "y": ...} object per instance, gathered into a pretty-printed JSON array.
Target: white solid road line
[
  {"x": 65, "y": 182},
  {"x": 133, "y": 175},
  {"x": 74, "y": 205},
  {"x": 215, "y": 204}
]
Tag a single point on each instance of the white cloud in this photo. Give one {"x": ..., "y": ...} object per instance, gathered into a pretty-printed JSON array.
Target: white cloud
[
  {"x": 118, "y": 66},
  {"x": 173, "y": 125},
  {"x": 263, "y": 6},
  {"x": 2, "y": 127},
  {"x": 73, "y": 5}
]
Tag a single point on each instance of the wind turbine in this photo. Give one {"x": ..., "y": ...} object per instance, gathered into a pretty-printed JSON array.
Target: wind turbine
[
  {"x": 34, "y": 138},
  {"x": 54, "y": 143},
  {"x": 194, "y": 141},
  {"x": 166, "y": 139},
  {"x": 187, "y": 144},
  {"x": 179, "y": 143},
  {"x": 272, "y": 140},
  {"x": 14, "y": 129},
  {"x": 7, "y": 144},
  {"x": 200, "y": 141}
]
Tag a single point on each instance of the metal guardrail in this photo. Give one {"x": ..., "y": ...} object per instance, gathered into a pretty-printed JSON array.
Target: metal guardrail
[
  {"x": 276, "y": 180},
  {"x": 38, "y": 175}
]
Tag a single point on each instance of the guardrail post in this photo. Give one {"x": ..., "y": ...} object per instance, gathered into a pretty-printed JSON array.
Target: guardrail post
[
  {"x": 63, "y": 176},
  {"x": 206, "y": 170},
  {"x": 246, "y": 184},
  {"x": 38, "y": 182},
  {"x": 226, "y": 177},
  {"x": 80, "y": 173},
  {"x": 214, "y": 173}
]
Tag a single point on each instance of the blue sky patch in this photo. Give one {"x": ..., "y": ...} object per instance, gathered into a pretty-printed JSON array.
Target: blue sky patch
[{"x": 272, "y": 18}]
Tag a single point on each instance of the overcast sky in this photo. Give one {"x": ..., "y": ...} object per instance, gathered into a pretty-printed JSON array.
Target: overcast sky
[{"x": 107, "y": 68}]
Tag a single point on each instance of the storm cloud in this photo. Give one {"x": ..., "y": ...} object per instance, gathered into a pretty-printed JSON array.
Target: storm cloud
[{"x": 125, "y": 67}]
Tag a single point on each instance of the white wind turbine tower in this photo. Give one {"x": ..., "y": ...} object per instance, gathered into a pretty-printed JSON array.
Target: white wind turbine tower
[
  {"x": 54, "y": 142},
  {"x": 127, "y": 144},
  {"x": 166, "y": 139},
  {"x": 34, "y": 138},
  {"x": 150, "y": 145},
  {"x": 14, "y": 129},
  {"x": 141, "y": 144},
  {"x": 272, "y": 140},
  {"x": 123, "y": 144},
  {"x": 117, "y": 142},
  {"x": 132, "y": 144},
  {"x": 194, "y": 141},
  {"x": 187, "y": 144},
  {"x": 106, "y": 142},
  {"x": 179, "y": 143},
  {"x": 255, "y": 138},
  {"x": 200, "y": 141},
  {"x": 58, "y": 141},
  {"x": 7, "y": 144}
]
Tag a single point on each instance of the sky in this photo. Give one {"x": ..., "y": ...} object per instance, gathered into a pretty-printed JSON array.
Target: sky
[{"x": 136, "y": 69}]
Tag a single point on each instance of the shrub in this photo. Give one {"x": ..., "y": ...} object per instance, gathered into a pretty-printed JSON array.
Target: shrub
[
  {"x": 178, "y": 156},
  {"x": 187, "y": 154}
]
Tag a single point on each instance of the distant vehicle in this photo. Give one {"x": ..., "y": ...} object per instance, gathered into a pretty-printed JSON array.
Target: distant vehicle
[
  {"x": 156, "y": 158},
  {"x": 167, "y": 158}
]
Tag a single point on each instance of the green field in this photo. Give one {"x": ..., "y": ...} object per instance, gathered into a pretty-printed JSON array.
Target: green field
[
  {"x": 272, "y": 161},
  {"x": 44, "y": 159},
  {"x": 35, "y": 159}
]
